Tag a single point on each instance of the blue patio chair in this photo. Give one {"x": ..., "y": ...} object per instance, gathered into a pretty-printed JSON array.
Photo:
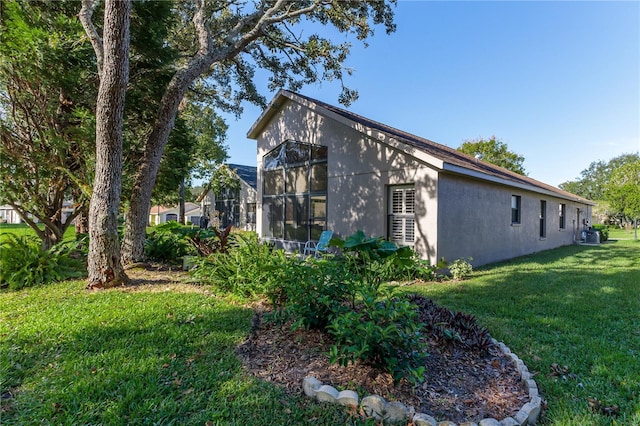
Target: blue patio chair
[{"x": 320, "y": 247}]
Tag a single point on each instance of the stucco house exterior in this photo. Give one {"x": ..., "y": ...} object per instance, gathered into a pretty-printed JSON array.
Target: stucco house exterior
[
  {"x": 235, "y": 206},
  {"x": 162, "y": 214},
  {"x": 323, "y": 167}
]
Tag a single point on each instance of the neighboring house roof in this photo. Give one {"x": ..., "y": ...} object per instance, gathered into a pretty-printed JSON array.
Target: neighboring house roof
[
  {"x": 437, "y": 155},
  {"x": 249, "y": 174},
  {"x": 188, "y": 207},
  {"x": 160, "y": 209}
]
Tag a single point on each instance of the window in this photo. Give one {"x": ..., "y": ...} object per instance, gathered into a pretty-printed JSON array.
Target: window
[
  {"x": 516, "y": 203},
  {"x": 227, "y": 207},
  {"x": 251, "y": 213},
  {"x": 543, "y": 219},
  {"x": 562, "y": 212},
  {"x": 294, "y": 196},
  {"x": 401, "y": 215}
]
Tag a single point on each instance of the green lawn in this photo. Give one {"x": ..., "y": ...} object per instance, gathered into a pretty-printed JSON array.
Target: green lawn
[
  {"x": 577, "y": 306},
  {"x": 22, "y": 229},
  {"x": 617, "y": 233},
  {"x": 166, "y": 355}
]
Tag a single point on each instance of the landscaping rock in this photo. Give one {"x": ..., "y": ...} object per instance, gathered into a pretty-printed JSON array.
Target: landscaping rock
[
  {"x": 533, "y": 389},
  {"x": 395, "y": 412},
  {"x": 327, "y": 393},
  {"x": 348, "y": 397},
  {"x": 447, "y": 423},
  {"x": 468, "y": 424},
  {"x": 310, "y": 385},
  {"x": 522, "y": 417},
  {"x": 421, "y": 419},
  {"x": 373, "y": 406},
  {"x": 489, "y": 422},
  {"x": 534, "y": 412},
  {"x": 509, "y": 421}
]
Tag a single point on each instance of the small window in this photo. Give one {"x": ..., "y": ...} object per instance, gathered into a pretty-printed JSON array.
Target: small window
[
  {"x": 516, "y": 202},
  {"x": 543, "y": 219},
  {"x": 562, "y": 212}
]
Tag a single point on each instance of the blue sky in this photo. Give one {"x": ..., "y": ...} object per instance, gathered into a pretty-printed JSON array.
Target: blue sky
[{"x": 558, "y": 82}]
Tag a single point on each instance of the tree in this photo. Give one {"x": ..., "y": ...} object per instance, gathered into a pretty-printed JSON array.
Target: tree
[
  {"x": 231, "y": 40},
  {"x": 623, "y": 191},
  {"x": 104, "y": 265},
  {"x": 593, "y": 180},
  {"x": 494, "y": 151},
  {"x": 46, "y": 115},
  {"x": 196, "y": 147}
]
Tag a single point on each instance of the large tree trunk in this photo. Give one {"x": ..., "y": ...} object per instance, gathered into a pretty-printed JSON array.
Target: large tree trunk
[
  {"x": 140, "y": 201},
  {"x": 104, "y": 265}
]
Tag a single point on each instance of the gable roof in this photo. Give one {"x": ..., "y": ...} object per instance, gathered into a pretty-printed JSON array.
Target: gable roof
[
  {"x": 249, "y": 174},
  {"x": 437, "y": 155}
]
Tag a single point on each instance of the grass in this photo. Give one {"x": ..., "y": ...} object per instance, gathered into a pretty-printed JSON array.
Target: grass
[
  {"x": 165, "y": 355},
  {"x": 576, "y": 306},
  {"x": 617, "y": 233},
  {"x": 22, "y": 229},
  {"x": 115, "y": 357}
]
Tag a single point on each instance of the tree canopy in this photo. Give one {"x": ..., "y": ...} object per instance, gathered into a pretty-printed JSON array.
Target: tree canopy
[
  {"x": 494, "y": 151},
  {"x": 593, "y": 180},
  {"x": 623, "y": 190},
  {"x": 47, "y": 95},
  {"x": 220, "y": 44}
]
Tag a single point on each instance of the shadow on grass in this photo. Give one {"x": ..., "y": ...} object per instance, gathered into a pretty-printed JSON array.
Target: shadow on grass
[
  {"x": 576, "y": 306},
  {"x": 123, "y": 358}
]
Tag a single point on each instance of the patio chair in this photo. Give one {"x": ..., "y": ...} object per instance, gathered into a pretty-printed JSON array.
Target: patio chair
[{"x": 320, "y": 247}]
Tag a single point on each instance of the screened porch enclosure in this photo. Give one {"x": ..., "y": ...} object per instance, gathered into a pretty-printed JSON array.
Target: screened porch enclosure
[{"x": 294, "y": 196}]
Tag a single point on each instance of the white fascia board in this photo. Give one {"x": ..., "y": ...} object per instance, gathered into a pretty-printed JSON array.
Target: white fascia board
[{"x": 482, "y": 176}]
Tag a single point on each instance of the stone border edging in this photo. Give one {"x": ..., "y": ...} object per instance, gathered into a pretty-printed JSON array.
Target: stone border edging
[{"x": 376, "y": 407}]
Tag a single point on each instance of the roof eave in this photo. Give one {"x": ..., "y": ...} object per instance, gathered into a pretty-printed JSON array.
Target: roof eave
[{"x": 486, "y": 177}]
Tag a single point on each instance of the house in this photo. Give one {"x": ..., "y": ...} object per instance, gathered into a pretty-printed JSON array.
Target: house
[
  {"x": 9, "y": 215},
  {"x": 322, "y": 167},
  {"x": 162, "y": 214},
  {"x": 233, "y": 205}
]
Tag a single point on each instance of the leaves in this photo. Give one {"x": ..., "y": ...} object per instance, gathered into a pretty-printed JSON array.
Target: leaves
[{"x": 494, "y": 151}]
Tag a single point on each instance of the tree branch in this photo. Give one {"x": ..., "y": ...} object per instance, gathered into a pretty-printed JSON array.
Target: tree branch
[{"x": 86, "y": 12}]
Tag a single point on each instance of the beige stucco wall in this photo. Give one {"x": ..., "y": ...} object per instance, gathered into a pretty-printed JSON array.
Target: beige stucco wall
[
  {"x": 475, "y": 221},
  {"x": 360, "y": 169},
  {"x": 456, "y": 216}
]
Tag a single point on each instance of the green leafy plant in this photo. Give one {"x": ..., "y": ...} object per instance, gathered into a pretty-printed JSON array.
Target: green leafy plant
[
  {"x": 170, "y": 241},
  {"x": 24, "y": 264},
  {"x": 382, "y": 332},
  {"x": 461, "y": 269},
  {"x": 248, "y": 268},
  {"x": 376, "y": 260},
  {"x": 313, "y": 293},
  {"x": 604, "y": 232}
]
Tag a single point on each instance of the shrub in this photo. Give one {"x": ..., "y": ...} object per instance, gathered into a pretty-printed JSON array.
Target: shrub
[
  {"x": 461, "y": 269},
  {"x": 377, "y": 260},
  {"x": 24, "y": 264},
  {"x": 604, "y": 232},
  {"x": 313, "y": 293},
  {"x": 168, "y": 242},
  {"x": 384, "y": 333},
  {"x": 248, "y": 268},
  {"x": 444, "y": 325}
]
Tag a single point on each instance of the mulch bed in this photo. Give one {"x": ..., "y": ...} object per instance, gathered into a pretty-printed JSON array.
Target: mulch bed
[{"x": 461, "y": 384}]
